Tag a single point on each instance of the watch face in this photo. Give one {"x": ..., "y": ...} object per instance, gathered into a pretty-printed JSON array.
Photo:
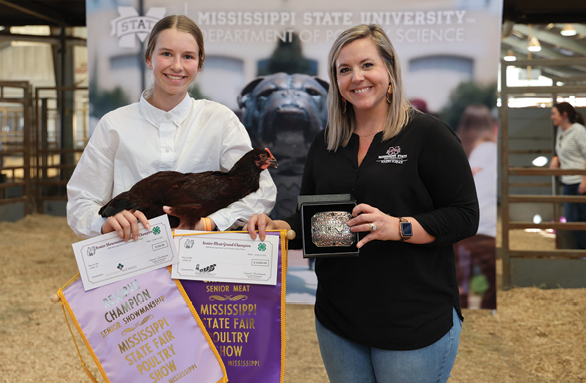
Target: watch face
[{"x": 406, "y": 229}]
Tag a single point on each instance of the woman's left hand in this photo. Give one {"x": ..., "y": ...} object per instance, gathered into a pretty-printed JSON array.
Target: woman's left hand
[{"x": 381, "y": 226}]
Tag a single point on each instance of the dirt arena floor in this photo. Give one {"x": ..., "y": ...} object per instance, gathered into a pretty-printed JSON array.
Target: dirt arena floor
[{"x": 535, "y": 336}]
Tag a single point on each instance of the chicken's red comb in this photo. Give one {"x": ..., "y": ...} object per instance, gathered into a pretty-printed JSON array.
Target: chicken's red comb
[{"x": 266, "y": 149}]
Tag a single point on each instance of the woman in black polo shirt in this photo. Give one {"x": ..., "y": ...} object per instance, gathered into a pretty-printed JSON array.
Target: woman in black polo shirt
[{"x": 392, "y": 314}]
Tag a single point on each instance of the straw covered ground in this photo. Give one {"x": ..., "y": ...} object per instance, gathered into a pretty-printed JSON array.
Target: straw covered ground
[{"x": 535, "y": 336}]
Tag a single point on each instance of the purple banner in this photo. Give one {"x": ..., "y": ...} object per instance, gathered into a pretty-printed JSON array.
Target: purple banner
[
  {"x": 142, "y": 330},
  {"x": 246, "y": 323}
]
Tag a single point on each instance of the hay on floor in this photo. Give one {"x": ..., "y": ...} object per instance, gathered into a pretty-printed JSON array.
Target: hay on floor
[{"x": 536, "y": 335}]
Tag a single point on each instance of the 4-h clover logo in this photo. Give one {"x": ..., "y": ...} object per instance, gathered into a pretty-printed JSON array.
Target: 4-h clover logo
[
  {"x": 157, "y": 230},
  {"x": 262, "y": 247},
  {"x": 120, "y": 266}
]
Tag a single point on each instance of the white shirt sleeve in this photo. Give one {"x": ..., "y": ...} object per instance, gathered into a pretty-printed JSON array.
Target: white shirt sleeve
[
  {"x": 90, "y": 185},
  {"x": 581, "y": 143}
]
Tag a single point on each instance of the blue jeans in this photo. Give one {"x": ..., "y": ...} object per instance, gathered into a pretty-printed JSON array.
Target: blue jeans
[
  {"x": 575, "y": 212},
  {"x": 349, "y": 362}
]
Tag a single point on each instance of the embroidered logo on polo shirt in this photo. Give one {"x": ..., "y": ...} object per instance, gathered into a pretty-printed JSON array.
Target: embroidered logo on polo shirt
[{"x": 392, "y": 156}]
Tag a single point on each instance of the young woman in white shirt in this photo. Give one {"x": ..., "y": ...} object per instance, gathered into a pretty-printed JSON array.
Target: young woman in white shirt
[{"x": 166, "y": 130}]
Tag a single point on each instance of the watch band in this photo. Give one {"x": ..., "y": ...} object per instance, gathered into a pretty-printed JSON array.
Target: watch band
[{"x": 401, "y": 233}]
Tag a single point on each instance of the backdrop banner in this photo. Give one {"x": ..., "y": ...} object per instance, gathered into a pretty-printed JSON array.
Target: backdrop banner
[
  {"x": 268, "y": 62},
  {"x": 143, "y": 329},
  {"x": 246, "y": 323}
]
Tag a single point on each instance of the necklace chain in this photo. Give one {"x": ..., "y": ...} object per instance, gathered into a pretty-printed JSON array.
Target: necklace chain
[{"x": 369, "y": 134}]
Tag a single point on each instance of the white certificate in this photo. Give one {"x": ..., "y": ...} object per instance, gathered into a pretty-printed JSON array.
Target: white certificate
[
  {"x": 106, "y": 259},
  {"x": 231, "y": 257}
]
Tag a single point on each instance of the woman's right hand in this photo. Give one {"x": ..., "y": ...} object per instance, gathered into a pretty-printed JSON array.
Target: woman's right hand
[
  {"x": 554, "y": 163},
  {"x": 125, "y": 223}
]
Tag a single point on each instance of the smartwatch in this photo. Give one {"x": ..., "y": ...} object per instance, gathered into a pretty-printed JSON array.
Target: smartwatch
[{"x": 405, "y": 229}]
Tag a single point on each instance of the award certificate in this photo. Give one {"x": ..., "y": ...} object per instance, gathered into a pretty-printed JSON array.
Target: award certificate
[
  {"x": 231, "y": 257},
  {"x": 106, "y": 259}
]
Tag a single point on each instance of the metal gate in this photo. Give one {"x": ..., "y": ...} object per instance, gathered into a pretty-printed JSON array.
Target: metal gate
[
  {"x": 42, "y": 138},
  {"x": 15, "y": 154},
  {"x": 61, "y": 134}
]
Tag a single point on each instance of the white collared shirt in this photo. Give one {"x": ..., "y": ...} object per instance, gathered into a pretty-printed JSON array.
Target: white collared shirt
[
  {"x": 138, "y": 140},
  {"x": 571, "y": 150}
]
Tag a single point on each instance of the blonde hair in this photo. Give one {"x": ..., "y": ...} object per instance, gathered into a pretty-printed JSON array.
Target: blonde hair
[{"x": 342, "y": 125}]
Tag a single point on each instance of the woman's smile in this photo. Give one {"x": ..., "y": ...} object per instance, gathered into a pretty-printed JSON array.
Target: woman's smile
[
  {"x": 175, "y": 77},
  {"x": 361, "y": 90}
]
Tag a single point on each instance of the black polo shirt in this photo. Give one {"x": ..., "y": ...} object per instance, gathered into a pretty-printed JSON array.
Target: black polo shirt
[{"x": 395, "y": 295}]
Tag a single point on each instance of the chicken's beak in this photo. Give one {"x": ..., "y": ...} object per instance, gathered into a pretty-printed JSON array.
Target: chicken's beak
[{"x": 271, "y": 161}]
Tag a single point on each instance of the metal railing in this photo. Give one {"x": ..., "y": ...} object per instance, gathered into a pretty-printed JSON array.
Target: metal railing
[
  {"x": 45, "y": 166},
  {"x": 19, "y": 175},
  {"x": 37, "y": 165}
]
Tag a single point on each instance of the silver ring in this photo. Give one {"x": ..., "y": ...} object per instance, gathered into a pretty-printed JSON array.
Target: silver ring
[{"x": 372, "y": 227}]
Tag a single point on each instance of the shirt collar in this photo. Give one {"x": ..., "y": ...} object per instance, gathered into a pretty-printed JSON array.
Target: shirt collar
[{"x": 155, "y": 116}]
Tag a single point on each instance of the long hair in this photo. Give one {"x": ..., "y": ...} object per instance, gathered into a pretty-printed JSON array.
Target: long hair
[
  {"x": 573, "y": 115},
  {"x": 182, "y": 24},
  {"x": 342, "y": 125},
  {"x": 476, "y": 124}
]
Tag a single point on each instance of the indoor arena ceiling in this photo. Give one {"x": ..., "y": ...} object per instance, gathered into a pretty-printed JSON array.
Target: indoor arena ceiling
[
  {"x": 545, "y": 21},
  {"x": 553, "y": 44},
  {"x": 67, "y": 13},
  {"x": 71, "y": 13},
  {"x": 544, "y": 11}
]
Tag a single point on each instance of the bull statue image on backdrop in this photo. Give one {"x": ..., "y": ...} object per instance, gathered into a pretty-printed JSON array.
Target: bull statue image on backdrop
[{"x": 284, "y": 112}]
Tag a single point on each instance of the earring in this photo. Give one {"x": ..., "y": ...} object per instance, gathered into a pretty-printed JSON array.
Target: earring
[
  {"x": 389, "y": 93},
  {"x": 344, "y": 103},
  {"x": 151, "y": 67}
]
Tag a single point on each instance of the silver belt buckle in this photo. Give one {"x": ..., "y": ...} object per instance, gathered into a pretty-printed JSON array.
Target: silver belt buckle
[{"x": 330, "y": 229}]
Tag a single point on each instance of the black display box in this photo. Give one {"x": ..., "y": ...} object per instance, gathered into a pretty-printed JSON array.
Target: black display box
[{"x": 309, "y": 205}]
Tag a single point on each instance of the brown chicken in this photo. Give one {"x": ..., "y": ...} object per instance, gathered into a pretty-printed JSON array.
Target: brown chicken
[{"x": 193, "y": 195}]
